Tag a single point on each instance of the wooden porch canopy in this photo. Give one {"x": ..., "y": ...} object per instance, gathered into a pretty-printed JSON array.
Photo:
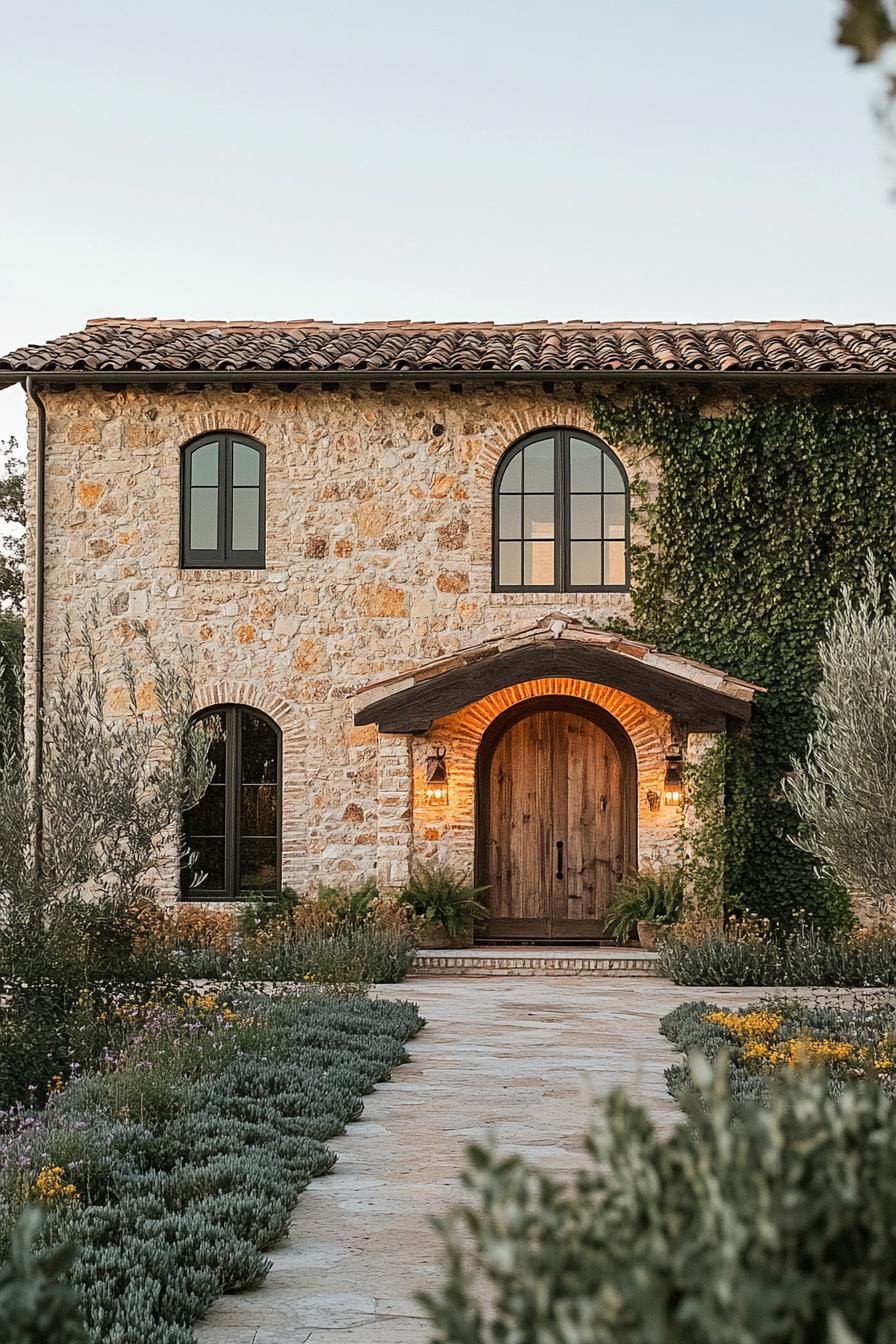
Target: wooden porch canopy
[{"x": 699, "y": 698}]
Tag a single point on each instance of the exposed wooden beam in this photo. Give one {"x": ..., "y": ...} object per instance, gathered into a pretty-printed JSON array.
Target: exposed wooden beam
[{"x": 413, "y": 709}]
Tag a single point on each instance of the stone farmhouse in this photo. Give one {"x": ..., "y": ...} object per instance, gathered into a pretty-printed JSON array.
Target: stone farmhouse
[{"x": 397, "y": 551}]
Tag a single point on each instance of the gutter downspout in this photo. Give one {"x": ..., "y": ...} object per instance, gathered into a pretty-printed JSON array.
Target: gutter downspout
[{"x": 40, "y": 474}]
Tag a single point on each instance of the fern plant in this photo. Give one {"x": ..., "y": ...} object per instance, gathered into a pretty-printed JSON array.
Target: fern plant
[
  {"x": 442, "y": 895},
  {"x": 652, "y": 895}
]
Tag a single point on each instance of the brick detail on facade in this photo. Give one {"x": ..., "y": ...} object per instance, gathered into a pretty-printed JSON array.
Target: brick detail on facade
[
  {"x": 447, "y": 831},
  {"x": 293, "y": 739}
]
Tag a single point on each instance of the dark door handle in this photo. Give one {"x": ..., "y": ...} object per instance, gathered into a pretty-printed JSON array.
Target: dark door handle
[{"x": 559, "y": 858}]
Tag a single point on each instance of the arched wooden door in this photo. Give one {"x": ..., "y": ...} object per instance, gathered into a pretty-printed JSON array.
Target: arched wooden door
[{"x": 555, "y": 819}]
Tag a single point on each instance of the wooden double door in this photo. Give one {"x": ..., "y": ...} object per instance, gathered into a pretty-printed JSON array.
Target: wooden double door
[{"x": 556, "y": 819}]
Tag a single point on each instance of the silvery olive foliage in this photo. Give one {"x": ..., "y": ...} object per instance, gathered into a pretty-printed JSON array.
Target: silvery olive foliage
[
  {"x": 745, "y": 1225},
  {"x": 868, "y": 29},
  {"x": 84, "y": 836},
  {"x": 36, "y": 1305},
  {"x": 844, "y": 790}
]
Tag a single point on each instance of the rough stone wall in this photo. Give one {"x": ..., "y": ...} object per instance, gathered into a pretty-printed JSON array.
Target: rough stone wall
[{"x": 378, "y": 558}]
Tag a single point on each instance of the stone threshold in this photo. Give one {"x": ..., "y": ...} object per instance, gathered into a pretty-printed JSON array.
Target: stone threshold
[{"x": 530, "y": 960}]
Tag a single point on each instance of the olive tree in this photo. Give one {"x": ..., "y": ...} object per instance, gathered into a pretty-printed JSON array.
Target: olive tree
[
  {"x": 844, "y": 790},
  {"x": 80, "y": 839}
]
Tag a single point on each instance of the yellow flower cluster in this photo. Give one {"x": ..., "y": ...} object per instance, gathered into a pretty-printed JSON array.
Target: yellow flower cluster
[
  {"x": 208, "y": 1004},
  {"x": 49, "y": 1186},
  {"x": 803, "y": 1052},
  {"x": 747, "y": 1026}
]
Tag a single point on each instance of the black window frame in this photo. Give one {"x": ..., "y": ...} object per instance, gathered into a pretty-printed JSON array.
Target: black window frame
[
  {"x": 231, "y": 891},
  {"x": 562, "y": 510},
  {"x": 223, "y": 556}
]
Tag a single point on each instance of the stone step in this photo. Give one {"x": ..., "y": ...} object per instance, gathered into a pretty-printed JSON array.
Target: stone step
[{"x": 535, "y": 961}]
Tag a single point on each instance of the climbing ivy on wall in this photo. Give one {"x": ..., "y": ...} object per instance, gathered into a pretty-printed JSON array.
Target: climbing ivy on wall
[{"x": 767, "y": 505}]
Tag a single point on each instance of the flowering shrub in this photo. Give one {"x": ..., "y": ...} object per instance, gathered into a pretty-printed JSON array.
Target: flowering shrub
[
  {"x": 50, "y": 1186},
  {"x": 197, "y": 928},
  {"x": 787, "y": 1034},
  {"x": 176, "y": 1161},
  {"x": 746, "y": 1025}
]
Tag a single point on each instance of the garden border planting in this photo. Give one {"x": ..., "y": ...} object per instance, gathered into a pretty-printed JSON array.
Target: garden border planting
[
  {"x": 779, "y": 1034},
  {"x": 171, "y": 1185}
]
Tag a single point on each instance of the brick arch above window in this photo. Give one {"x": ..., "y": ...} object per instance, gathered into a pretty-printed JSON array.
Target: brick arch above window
[
  {"x": 237, "y": 421},
  {"x": 545, "y": 413},
  {"x": 560, "y": 514},
  {"x": 286, "y": 715},
  {"x": 526, "y": 420}
]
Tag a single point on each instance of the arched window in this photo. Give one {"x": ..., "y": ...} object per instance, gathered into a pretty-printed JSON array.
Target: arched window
[
  {"x": 233, "y": 832},
  {"x": 560, "y": 515},
  {"x": 222, "y": 503}
]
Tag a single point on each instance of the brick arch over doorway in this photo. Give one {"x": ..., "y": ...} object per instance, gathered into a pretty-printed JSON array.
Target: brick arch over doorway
[{"x": 449, "y": 831}]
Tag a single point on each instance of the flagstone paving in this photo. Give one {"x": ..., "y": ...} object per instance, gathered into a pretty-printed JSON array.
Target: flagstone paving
[{"x": 520, "y": 1058}]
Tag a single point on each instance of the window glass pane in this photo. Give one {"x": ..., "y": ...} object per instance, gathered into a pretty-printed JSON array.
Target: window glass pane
[
  {"x": 539, "y": 465},
  {"x": 258, "y": 810},
  {"x": 246, "y": 464},
  {"x": 212, "y": 725},
  {"x": 538, "y": 564},
  {"x": 613, "y": 481},
  {"x": 258, "y": 865},
  {"x": 584, "y": 515},
  {"x": 204, "y": 464},
  {"x": 510, "y": 563},
  {"x": 538, "y": 516},
  {"x": 584, "y": 564},
  {"x": 614, "y": 516},
  {"x": 209, "y": 863},
  {"x": 584, "y": 465},
  {"x": 204, "y": 519},
  {"x": 207, "y": 817},
  {"x": 614, "y": 562},
  {"x": 513, "y": 473},
  {"x": 245, "y": 519},
  {"x": 259, "y": 751},
  {"x": 509, "y": 515}
]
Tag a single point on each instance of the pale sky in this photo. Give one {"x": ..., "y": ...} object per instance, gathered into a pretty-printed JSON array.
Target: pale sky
[{"x": 506, "y": 159}]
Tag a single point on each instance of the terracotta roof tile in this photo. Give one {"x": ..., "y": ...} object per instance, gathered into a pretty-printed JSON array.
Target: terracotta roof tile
[{"x": 123, "y": 345}]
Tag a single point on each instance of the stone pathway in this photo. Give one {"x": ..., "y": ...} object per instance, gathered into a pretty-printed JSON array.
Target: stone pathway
[{"x": 521, "y": 1058}]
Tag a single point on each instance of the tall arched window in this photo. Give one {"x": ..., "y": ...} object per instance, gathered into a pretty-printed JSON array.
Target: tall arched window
[
  {"x": 234, "y": 830},
  {"x": 222, "y": 503},
  {"x": 560, "y": 515}
]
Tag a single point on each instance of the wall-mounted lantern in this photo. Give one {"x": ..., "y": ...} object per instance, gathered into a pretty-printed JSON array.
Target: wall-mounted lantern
[
  {"x": 673, "y": 787},
  {"x": 436, "y": 777}
]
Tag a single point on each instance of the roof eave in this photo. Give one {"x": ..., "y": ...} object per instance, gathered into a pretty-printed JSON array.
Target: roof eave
[{"x": 159, "y": 377}]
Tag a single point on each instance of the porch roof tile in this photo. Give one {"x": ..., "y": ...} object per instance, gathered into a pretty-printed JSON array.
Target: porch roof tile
[{"x": 674, "y": 678}]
